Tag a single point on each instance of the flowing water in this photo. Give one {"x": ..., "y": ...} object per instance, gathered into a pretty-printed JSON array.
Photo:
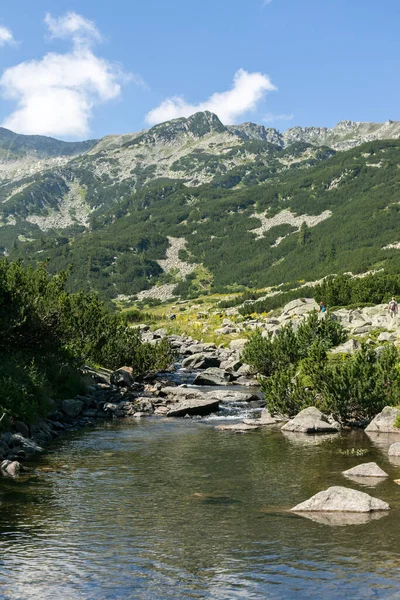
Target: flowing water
[{"x": 168, "y": 508}]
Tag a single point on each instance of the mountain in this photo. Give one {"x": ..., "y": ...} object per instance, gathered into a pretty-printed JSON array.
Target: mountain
[{"x": 222, "y": 205}]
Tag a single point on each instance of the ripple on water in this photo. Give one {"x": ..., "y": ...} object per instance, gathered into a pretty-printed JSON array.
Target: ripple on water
[{"x": 170, "y": 508}]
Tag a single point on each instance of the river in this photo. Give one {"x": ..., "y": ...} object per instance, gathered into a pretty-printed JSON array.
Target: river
[{"x": 172, "y": 508}]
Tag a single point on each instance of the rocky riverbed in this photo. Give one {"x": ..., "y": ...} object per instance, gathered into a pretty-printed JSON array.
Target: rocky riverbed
[{"x": 206, "y": 380}]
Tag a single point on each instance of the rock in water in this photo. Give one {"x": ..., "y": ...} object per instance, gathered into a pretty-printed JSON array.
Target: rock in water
[
  {"x": 341, "y": 499},
  {"x": 370, "y": 469},
  {"x": 311, "y": 420},
  {"x": 200, "y": 406},
  {"x": 265, "y": 419},
  {"x": 237, "y": 427},
  {"x": 384, "y": 421}
]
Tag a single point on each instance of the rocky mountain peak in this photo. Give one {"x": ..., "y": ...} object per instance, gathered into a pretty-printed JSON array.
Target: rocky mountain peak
[{"x": 252, "y": 131}]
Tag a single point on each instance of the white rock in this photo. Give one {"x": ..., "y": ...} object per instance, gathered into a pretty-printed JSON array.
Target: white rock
[
  {"x": 311, "y": 420},
  {"x": 341, "y": 499},
  {"x": 384, "y": 421},
  {"x": 370, "y": 469}
]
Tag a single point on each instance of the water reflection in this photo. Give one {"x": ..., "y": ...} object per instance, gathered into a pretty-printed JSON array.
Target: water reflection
[
  {"x": 307, "y": 439},
  {"x": 170, "y": 508},
  {"x": 341, "y": 519},
  {"x": 365, "y": 481}
]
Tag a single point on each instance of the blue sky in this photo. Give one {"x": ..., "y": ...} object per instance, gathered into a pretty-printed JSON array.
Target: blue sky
[{"x": 93, "y": 68}]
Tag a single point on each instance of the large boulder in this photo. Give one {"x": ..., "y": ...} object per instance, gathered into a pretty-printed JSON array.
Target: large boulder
[
  {"x": 311, "y": 420},
  {"x": 341, "y": 499},
  {"x": 370, "y": 469},
  {"x": 298, "y": 307},
  {"x": 200, "y": 360},
  {"x": 180, "y": 393},
  {"x": 28, "y": 445},
  {"x": 213, "y": 377},
  {"x": 194, "y": 406},
  {"x": 384, "y": 421},
  {"x": 198, "y": 347},
  {"x": 123, "y": 377},
  {"x": 234, "y": 396},
  {"x": 72, "y": 408}
]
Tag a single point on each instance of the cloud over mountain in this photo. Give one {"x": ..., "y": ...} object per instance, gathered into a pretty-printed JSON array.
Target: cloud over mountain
[
  {"x": 247, "y": 91},
  {"x": 56, "y": 94}
]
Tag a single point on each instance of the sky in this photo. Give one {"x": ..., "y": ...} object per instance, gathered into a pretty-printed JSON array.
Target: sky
[{"x": 83, "y": 69}]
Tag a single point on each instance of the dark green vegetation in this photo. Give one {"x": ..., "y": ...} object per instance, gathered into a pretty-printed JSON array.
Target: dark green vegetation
[
  {"x": 297, "y": 372},
  {"x": 132, "y": 217},
  {"x": 46, "y": 334}
]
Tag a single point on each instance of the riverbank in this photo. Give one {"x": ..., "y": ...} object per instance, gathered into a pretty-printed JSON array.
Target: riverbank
[{"x": 118, "y": 395}]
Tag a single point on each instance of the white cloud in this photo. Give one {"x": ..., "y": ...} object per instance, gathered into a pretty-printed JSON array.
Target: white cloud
[
  {"x": 81, "y": 30},
  {"x": 266, "y": 2},
  {"x": 271, "y": 118},
  {"x": 247, "y": 91},
  {"x": 56, "y": 94},
  {"x": 6, "y": 36}
]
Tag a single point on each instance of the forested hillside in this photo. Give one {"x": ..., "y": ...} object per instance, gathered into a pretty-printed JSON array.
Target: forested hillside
[{"x": 245, "y": 208}]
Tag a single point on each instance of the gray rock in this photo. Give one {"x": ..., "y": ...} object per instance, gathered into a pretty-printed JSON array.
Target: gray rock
[
  {"x": 179, "y": 393},
  {"x": 213, "y": 376},
  {"x": 370, "y": 469},
  {"x": 384, "y": 421},
  {"x": 265, "y": 419},
  {"x": 28, "y": 445},
  {"x": 197, "y": 348},
  {"x": 237, "y": 427},
  {"x": 200, "y": 360},
  {"x": 233, "y": 396},
  {"x": 385, "y": 336},
  {"x": 198, "y": 406},
  {"x": 341, "y": 499},
  {"x": 72, "y": 408},
  {"x": 123, "y": 377},
  {"x": 141, "y": 405},
  {"x": 238, "y": 344},
  {"x": 226, "y": 330},
  {"x": 394, "y": 449},
  {"x": 311, "y": 420}
]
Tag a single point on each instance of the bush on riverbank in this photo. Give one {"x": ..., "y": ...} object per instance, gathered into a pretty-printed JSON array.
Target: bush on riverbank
[
  {"x": 46, "y": 334},
  {"x": 296, "y": 372},
  {"x": 287, "y": 347}
]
